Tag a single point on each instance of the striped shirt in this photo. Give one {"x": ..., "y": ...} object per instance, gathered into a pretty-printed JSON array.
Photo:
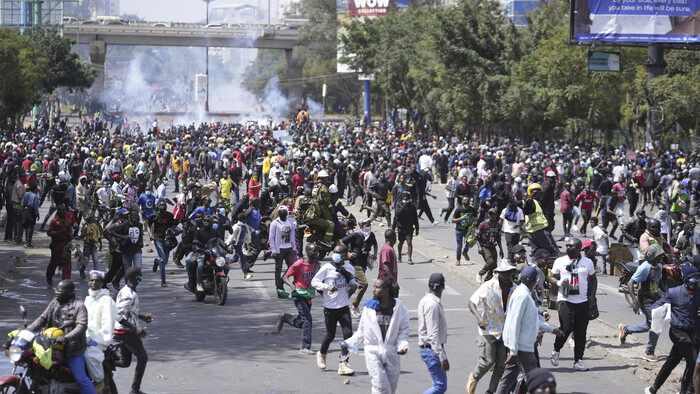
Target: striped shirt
[{"x": 451, "y": 188}]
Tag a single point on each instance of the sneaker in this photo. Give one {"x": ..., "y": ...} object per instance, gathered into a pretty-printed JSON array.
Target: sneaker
[
  {"x": 398, "y": 260},
  {"x": 155, "y": 266},
  {"x": 650, "y": 357},
  {"x": 320, "y": 360},
  {"x": 82, "y": 271},
  {"x": 571, "y": 342},
  {"x": 178, "y": 264},
  {"x": 280, "y": 323},
  {"x": 578, "y": 366},
  {"x": 555, "y": 358},
  {"x": 457, "y": 263},
  {"x": 248, "y": 276},
  {"x": 649, "y": 390},
  {"x": 479, "y": 278},
  {"x": 471, "y": 384},
  {"x": 436, "y": 223},
  {"x": 410, "y": 262},
  {"x": 163, "y": 284},
  {"x": 622, "y": 335},
  {"x": 200, "y": 287},
  {"x": 356, "y": 312},
  {"x": 307, "y": 352},
  {"x": 344, "y": 369}
]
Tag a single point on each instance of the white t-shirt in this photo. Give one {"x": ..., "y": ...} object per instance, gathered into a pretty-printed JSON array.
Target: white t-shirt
[
  {"x": 601, "y": 240},
  {"x": 286, "y": 234},
  {"x": 581, "y": 270},
  {"x": 508, "y": 225},
  {"x": 328, "y": 276}
]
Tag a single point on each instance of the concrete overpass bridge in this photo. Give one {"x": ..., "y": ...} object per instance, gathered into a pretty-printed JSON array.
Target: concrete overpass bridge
[{"x": 99, "y": 36}]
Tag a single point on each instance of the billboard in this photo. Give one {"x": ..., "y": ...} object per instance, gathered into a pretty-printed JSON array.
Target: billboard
[
  {"x": 603, "y": 61},
  {"x": 350, "y": 9},
  {"x": 631, "y": 22}
]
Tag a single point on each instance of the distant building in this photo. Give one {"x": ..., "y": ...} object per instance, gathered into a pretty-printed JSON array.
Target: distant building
[
  {"x": 515, "y": 10},
  {"x": 246, "y": 12}
]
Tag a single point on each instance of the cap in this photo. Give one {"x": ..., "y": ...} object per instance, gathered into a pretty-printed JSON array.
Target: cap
[
  {"x": 653, "y": 253},
  {"x": 538, "y": 377},
  {"x": 587, "y": 242},
  {"x": 529, "y": 272},
  {"x": 504, "y": 265},
  {"x": 436, "y": 281},
  {"x": 518, "y": 180},
  {"x": 493, "y": 210},
  {"x": 365, "y": 221},
  {"x": 518, "y": 248},
  {"x": 688, "y": 270},
  {"x": 551, "y": 173},
  {"x": 122, "y": 211}
]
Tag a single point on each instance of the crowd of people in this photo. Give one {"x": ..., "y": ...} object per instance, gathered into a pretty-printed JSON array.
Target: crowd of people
[{"x": 187, "y": 184}]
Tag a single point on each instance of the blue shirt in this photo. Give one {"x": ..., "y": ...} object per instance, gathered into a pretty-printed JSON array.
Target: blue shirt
[
  {"x": 642, "y": 273},
  {"x": 146, "y": 202},
  {"x": 254, "y": 220},
  {"x": 204, "y": 211},
  {"x": 684, "y": 307}
]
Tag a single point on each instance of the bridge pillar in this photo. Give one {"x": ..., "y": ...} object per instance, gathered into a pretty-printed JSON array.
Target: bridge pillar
[
  {"x": 295, "y": 63},
  {"x": 98, "y": 53}
]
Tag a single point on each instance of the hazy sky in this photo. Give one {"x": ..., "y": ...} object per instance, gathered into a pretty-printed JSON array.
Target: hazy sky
[{"x": 167, "y": 10}]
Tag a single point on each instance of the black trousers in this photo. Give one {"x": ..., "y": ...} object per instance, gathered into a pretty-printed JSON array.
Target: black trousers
[
  {"x": 131, "y": 345},
  {"x": 332, "y": 317},
  {"x": 512, "y": 239},
  {"x": 573, "y": 318},
  {"x": 682, "y": 349},
  {"x": 116, "y": 271},
  {"x": 450, "y": 207},
  {"x": 286, "y": 255}
]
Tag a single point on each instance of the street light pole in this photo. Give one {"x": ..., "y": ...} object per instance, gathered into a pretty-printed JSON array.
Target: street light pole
[{"x": 206, "y": 102}]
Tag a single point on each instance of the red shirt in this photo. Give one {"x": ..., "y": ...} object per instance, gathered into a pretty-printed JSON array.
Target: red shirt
[
  {"x": 587, "y": 200},
  {"x": 298, "y": 180},
  {"x": 387, "y": 255},
  {"x": 253, "y": 188},
  {"x": 567, "y": 202},
  {"x": 302, "y": 273}
]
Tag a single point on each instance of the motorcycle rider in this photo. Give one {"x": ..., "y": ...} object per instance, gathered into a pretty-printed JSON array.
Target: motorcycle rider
[
  {"x": 631, "y": 232},
  {"x": 320, "y": 214},
  {"x": 62, "y": 308},
  {"x": 195, "y": 261},
  {"x": 536, "y": 223},
  {"x": 647, "y": 276},
  {"x": 102, "y": 313},
  {"x": 652, "y": 236}
]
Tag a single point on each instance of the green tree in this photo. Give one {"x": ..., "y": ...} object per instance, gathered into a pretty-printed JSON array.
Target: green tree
[{"x": 21, "y": 71}]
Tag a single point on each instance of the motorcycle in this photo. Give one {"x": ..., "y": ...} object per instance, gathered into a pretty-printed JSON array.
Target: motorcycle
[
  {"x": 671, "y": 275},
  {"x": 33, "y": 376},
  {"x": 215, "y": 272},
  {"x": 315, "y": 235}
]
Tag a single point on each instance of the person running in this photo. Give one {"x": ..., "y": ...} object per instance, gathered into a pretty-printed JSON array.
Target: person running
[
  {"x": 488, "y": 236},
  {"x": 360, "y": 244},
  {"x": 337, "y": 282},
  {"x": 282, "y": 244},
  {"x": 303, "y": 271},
  {"x": 464, "y": 218},
  {"x": 405, "y": 223},
  {"x": 511, "y": 221},
  {"x": 388, "y": 265}
]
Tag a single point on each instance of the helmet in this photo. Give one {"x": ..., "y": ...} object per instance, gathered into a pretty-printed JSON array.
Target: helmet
[
  {"x": 53, "y": 332},
  {"x": 531, "y": 189},
  {"x": 323, "y": 174},
  {"x": 333, "y": 189},
  {"x": 654, "y": 227},
  {"x": 641, "y": 213}
]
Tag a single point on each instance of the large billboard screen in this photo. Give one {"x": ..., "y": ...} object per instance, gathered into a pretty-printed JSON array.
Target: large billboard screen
[
  {"x": 630, "y": 22},
  {"x": 350, "y": 9}
]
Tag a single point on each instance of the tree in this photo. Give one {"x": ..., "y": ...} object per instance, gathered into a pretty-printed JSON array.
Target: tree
[
  {"x": 21, "y": 71},
  {"x": 63, "y": 67}
]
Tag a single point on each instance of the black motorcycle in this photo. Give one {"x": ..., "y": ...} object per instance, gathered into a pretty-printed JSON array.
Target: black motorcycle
[{"x": 215, "y": 271}]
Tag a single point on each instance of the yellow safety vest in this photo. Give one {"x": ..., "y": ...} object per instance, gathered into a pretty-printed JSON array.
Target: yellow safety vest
[{"x": 536, "y": 221}]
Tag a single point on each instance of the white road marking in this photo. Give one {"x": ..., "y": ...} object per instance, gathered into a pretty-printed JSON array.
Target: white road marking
[{"x": 257, "y": 288}]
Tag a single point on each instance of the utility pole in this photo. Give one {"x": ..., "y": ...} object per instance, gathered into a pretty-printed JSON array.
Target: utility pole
[
  {"x": 655, "y": 67},
  {"x": 206, "y": 102}
]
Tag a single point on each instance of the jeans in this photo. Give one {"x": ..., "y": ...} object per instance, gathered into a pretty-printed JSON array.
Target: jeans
[
  {"x": 77, "y": 368},
  {"x": 492, "y": 353},
  {"x": 573, "y": 318},
  {"x": 132, "y": 345},
  {"x": 459, "y": 235},
  {"x": 644, "y": 327},
  {"x": 240, "y": 256},
  {"x": 512, "y": 239},
  {"x": 162, "y": 260},
  {"x": 604, "y": 258},
  {"x": 89, "y": 251},
  {"x": 176, "y": 175},
  {"x": 131, "y": 260},
  {"x": 525, "y": 362},
  {"x": 438, "y": 376},
  {"x": 332, "y": 317},
  {"x": 303, "y": 320},
  {"x": 286, "y": 255},
  {"x": 29, "y": 233}
]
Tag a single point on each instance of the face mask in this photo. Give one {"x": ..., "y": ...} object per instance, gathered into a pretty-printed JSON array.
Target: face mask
[
  {"x": 337, "y": 258},
  {"x": 165, "y": 183},
  {"x": 215, "y": 226},
  {"x": 139, "y": 280},
  {"x": 148, "y": 193},
  {"x": 222, "y": 211},
  {"x": 367, "y": 230}
]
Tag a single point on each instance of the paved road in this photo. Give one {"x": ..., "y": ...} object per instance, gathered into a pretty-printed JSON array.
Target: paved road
[{"x": 205, "y": 348}]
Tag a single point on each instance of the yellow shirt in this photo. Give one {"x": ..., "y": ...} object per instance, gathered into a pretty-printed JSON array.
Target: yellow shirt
[
  {"x": 267, "y": 164},
  {"x": 176, "y": 164},
  {"x": 226, "y": 186},
  {"x": 129, "y": 170},
  {"x": 186, "y": 167}
]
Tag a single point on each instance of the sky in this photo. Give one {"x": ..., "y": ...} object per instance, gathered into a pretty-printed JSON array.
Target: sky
[{"x": 166, "y": 10}]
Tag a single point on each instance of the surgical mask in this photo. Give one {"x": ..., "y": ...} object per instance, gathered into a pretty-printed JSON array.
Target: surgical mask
[
  {"x": 148, "y": 193},
  {"x": 367, "y": 230},
  {"x": 222, "y": 211},
  {"x": 215, "y": 226},
  {"x": 165, "y": 183},
  {"x": 337, "y": 258}
]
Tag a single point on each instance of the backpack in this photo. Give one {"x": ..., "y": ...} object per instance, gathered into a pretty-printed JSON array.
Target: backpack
[
  {"x": 92, "y": 233},
  {"x": 305, "y": 210}
]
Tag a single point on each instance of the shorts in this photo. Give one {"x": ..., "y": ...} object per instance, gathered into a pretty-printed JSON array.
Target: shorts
[{"x": 405, "y": 235}]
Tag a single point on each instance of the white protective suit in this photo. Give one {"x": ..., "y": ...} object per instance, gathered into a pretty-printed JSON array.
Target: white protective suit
[
  {"x": 381, "y": 356},
  {"x": 102, "y": 312}
]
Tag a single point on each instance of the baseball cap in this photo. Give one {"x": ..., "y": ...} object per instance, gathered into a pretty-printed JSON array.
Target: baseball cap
[
  {"x": 587, "y": 242},
  {"x": 436, "y": 281},
  {"x": 122, "y": 211},
  {"x": 529, "y": 272},
  {"x": 537, "y": 377},
  {"x": 518, "y": 248}
]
